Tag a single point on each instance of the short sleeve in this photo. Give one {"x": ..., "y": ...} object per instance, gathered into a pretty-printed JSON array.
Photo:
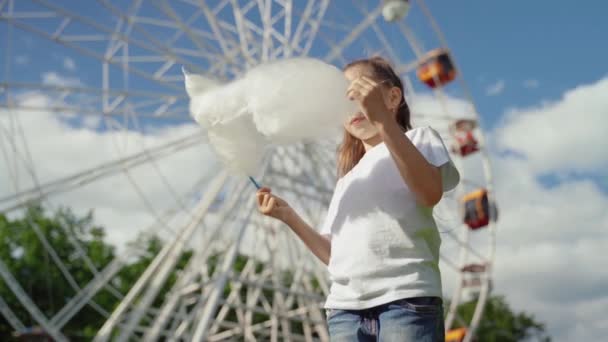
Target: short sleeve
[{"x": 432, "y": 147}]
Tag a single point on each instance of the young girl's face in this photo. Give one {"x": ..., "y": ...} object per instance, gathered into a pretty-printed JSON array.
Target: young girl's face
[{"x": 357, "y": 124}]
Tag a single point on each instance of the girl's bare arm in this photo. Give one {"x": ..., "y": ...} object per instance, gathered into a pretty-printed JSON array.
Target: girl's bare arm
[{"x": 319, "y": 245}]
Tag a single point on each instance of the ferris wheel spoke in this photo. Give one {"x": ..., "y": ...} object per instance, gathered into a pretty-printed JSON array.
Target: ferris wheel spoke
[
  {"x": 449, "y": 262},
  {"x": 230, "y": 49},
  {"x": 103, "y": 277},
  {"x": 243, "y": 33},
  {"x": 137, "y": 20},
  {"x": 314, "y": 23},
  {"x": 104, "y": 34},
  {"x": 356, "y": 32},
  {"x": 88, "y": 100},
  {"x": 165, "y": 6},
  {"x": 467, "y": 247},
  {"x": 28, "y": 304},
  {"x": 8, "y": 313}
]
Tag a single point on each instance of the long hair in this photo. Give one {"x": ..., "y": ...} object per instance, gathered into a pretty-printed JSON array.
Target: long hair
[{"x": 351, "y": 149}]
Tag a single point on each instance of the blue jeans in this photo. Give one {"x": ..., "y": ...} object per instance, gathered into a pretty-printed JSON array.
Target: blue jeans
[{"x": 410, "y": 319}]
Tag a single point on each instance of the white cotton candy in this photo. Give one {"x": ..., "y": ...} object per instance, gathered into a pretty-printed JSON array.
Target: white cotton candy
[
  {"x": 298, "y": 99},
  {"x": 239, "y": 145},
  {"x": 278, "y": 102}
]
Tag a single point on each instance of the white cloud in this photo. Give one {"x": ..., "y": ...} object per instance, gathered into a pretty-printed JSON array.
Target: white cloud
[
  {"x": 53, "y": 78},
  {"x": 495, "y": 88},
  {"x": 568, "y": 135},
  {"x": 69, "y": 64},
  {"x": 531, "y": 84},
  {"x": 59, "y": 150},
  {"x": 550, "y": 239}
]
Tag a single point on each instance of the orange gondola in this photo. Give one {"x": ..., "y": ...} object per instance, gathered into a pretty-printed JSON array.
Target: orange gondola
[
  {"x": 456, "y": 335},
  {"x": 477, "y": 209},
  {"x": 436, "y": 68}
]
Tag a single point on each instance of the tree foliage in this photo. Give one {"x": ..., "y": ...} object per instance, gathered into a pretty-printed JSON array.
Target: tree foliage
[
  {"x": 80, "y": 245},
  {"x": 501, "y": 324}
]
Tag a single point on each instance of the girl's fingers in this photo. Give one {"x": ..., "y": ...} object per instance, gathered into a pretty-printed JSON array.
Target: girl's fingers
[
  {"x": 265, "y": 201},
  {"x": 260, "y": 197},
  {"x": 353, "y": 94},
  {"x": 356, "y": 92},
  {"x": 364, "y": 84},
  {"x": 271, "y": 204},
  {"x": 368, "y": 81}
]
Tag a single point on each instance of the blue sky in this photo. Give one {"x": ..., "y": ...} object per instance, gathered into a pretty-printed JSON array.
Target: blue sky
[{"x": 559, "y": 43}]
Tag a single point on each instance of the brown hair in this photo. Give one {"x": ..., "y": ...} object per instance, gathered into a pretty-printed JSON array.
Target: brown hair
[{"x": 351, "y": 149}]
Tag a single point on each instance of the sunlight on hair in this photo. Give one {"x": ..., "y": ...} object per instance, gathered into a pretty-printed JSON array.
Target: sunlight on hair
[{"x": 280, "y": 102}]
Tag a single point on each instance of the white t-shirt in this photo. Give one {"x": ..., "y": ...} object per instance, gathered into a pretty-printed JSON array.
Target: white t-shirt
[{"x": 384, "y": 246}]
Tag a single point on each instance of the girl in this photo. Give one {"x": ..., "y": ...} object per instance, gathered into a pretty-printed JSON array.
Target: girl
[{"x": 379, "y": 239}]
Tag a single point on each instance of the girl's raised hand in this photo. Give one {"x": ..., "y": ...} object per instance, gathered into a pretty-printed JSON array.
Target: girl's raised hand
[
  {"x": 371, "y": 99},
  {"x": 273, "y": 206}
]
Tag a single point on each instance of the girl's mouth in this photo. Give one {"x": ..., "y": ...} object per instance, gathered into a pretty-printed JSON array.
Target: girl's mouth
[{"x": 357, "y": 120}]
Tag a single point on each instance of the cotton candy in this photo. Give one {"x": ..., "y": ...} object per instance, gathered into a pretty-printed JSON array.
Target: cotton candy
[{"x": 279, "y": 102}]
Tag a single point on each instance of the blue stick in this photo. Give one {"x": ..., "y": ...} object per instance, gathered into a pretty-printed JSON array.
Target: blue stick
[{"x": 257, "y": 186}]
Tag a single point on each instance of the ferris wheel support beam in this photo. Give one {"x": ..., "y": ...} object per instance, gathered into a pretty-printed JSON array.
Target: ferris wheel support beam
[
  {"x": 357, "y": 30},
  {"x": 243, "y": 40},
  {"x": 453, "y": 310},
  {"x": 106, "y": 34},
  {"x": 177, "y": 116},
  {"x": 62, "y": 267},
  {"x": 168, "y": 10},
  {"x": 295, "y": 43},
  {"x": 265, "y": 14},
  {"x": 307, "y": 169},
  {"x": 93, "y": 91},
  {"x": 160, "y": 268},
  {"x": 89, "y": 52},
  {"x": 168, "y": 307},
  {"x": 76, "y": 303},
  {"x": 10, "y": 316},
  {"x": 315, "y": 24},
  {"x": 166, "y": 46},
  {"x": 215, "y": 28},
  {"x": 288, "y": 8},
  {"x": 194, "y": 267},
  {"x": 214, "y": 296},
  {"x": 101, "y": 278},
  {"x": 27, "y": 303}
]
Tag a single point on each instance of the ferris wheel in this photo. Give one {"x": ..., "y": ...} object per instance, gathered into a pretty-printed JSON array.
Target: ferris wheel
[{"x": 120, "y": 95}]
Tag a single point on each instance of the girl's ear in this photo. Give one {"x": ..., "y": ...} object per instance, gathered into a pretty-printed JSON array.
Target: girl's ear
[{"x": 395, "y": 97}]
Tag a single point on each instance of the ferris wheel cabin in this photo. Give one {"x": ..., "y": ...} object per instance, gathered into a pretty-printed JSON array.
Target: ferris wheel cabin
[
  {"x": 436, "y": 68},
  {"x": 477, "y": 209}
]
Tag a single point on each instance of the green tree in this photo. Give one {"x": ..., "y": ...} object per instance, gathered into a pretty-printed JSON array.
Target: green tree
[
  {"x": 24, "y": 253},
  {"x": 501, "y": 324}
]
